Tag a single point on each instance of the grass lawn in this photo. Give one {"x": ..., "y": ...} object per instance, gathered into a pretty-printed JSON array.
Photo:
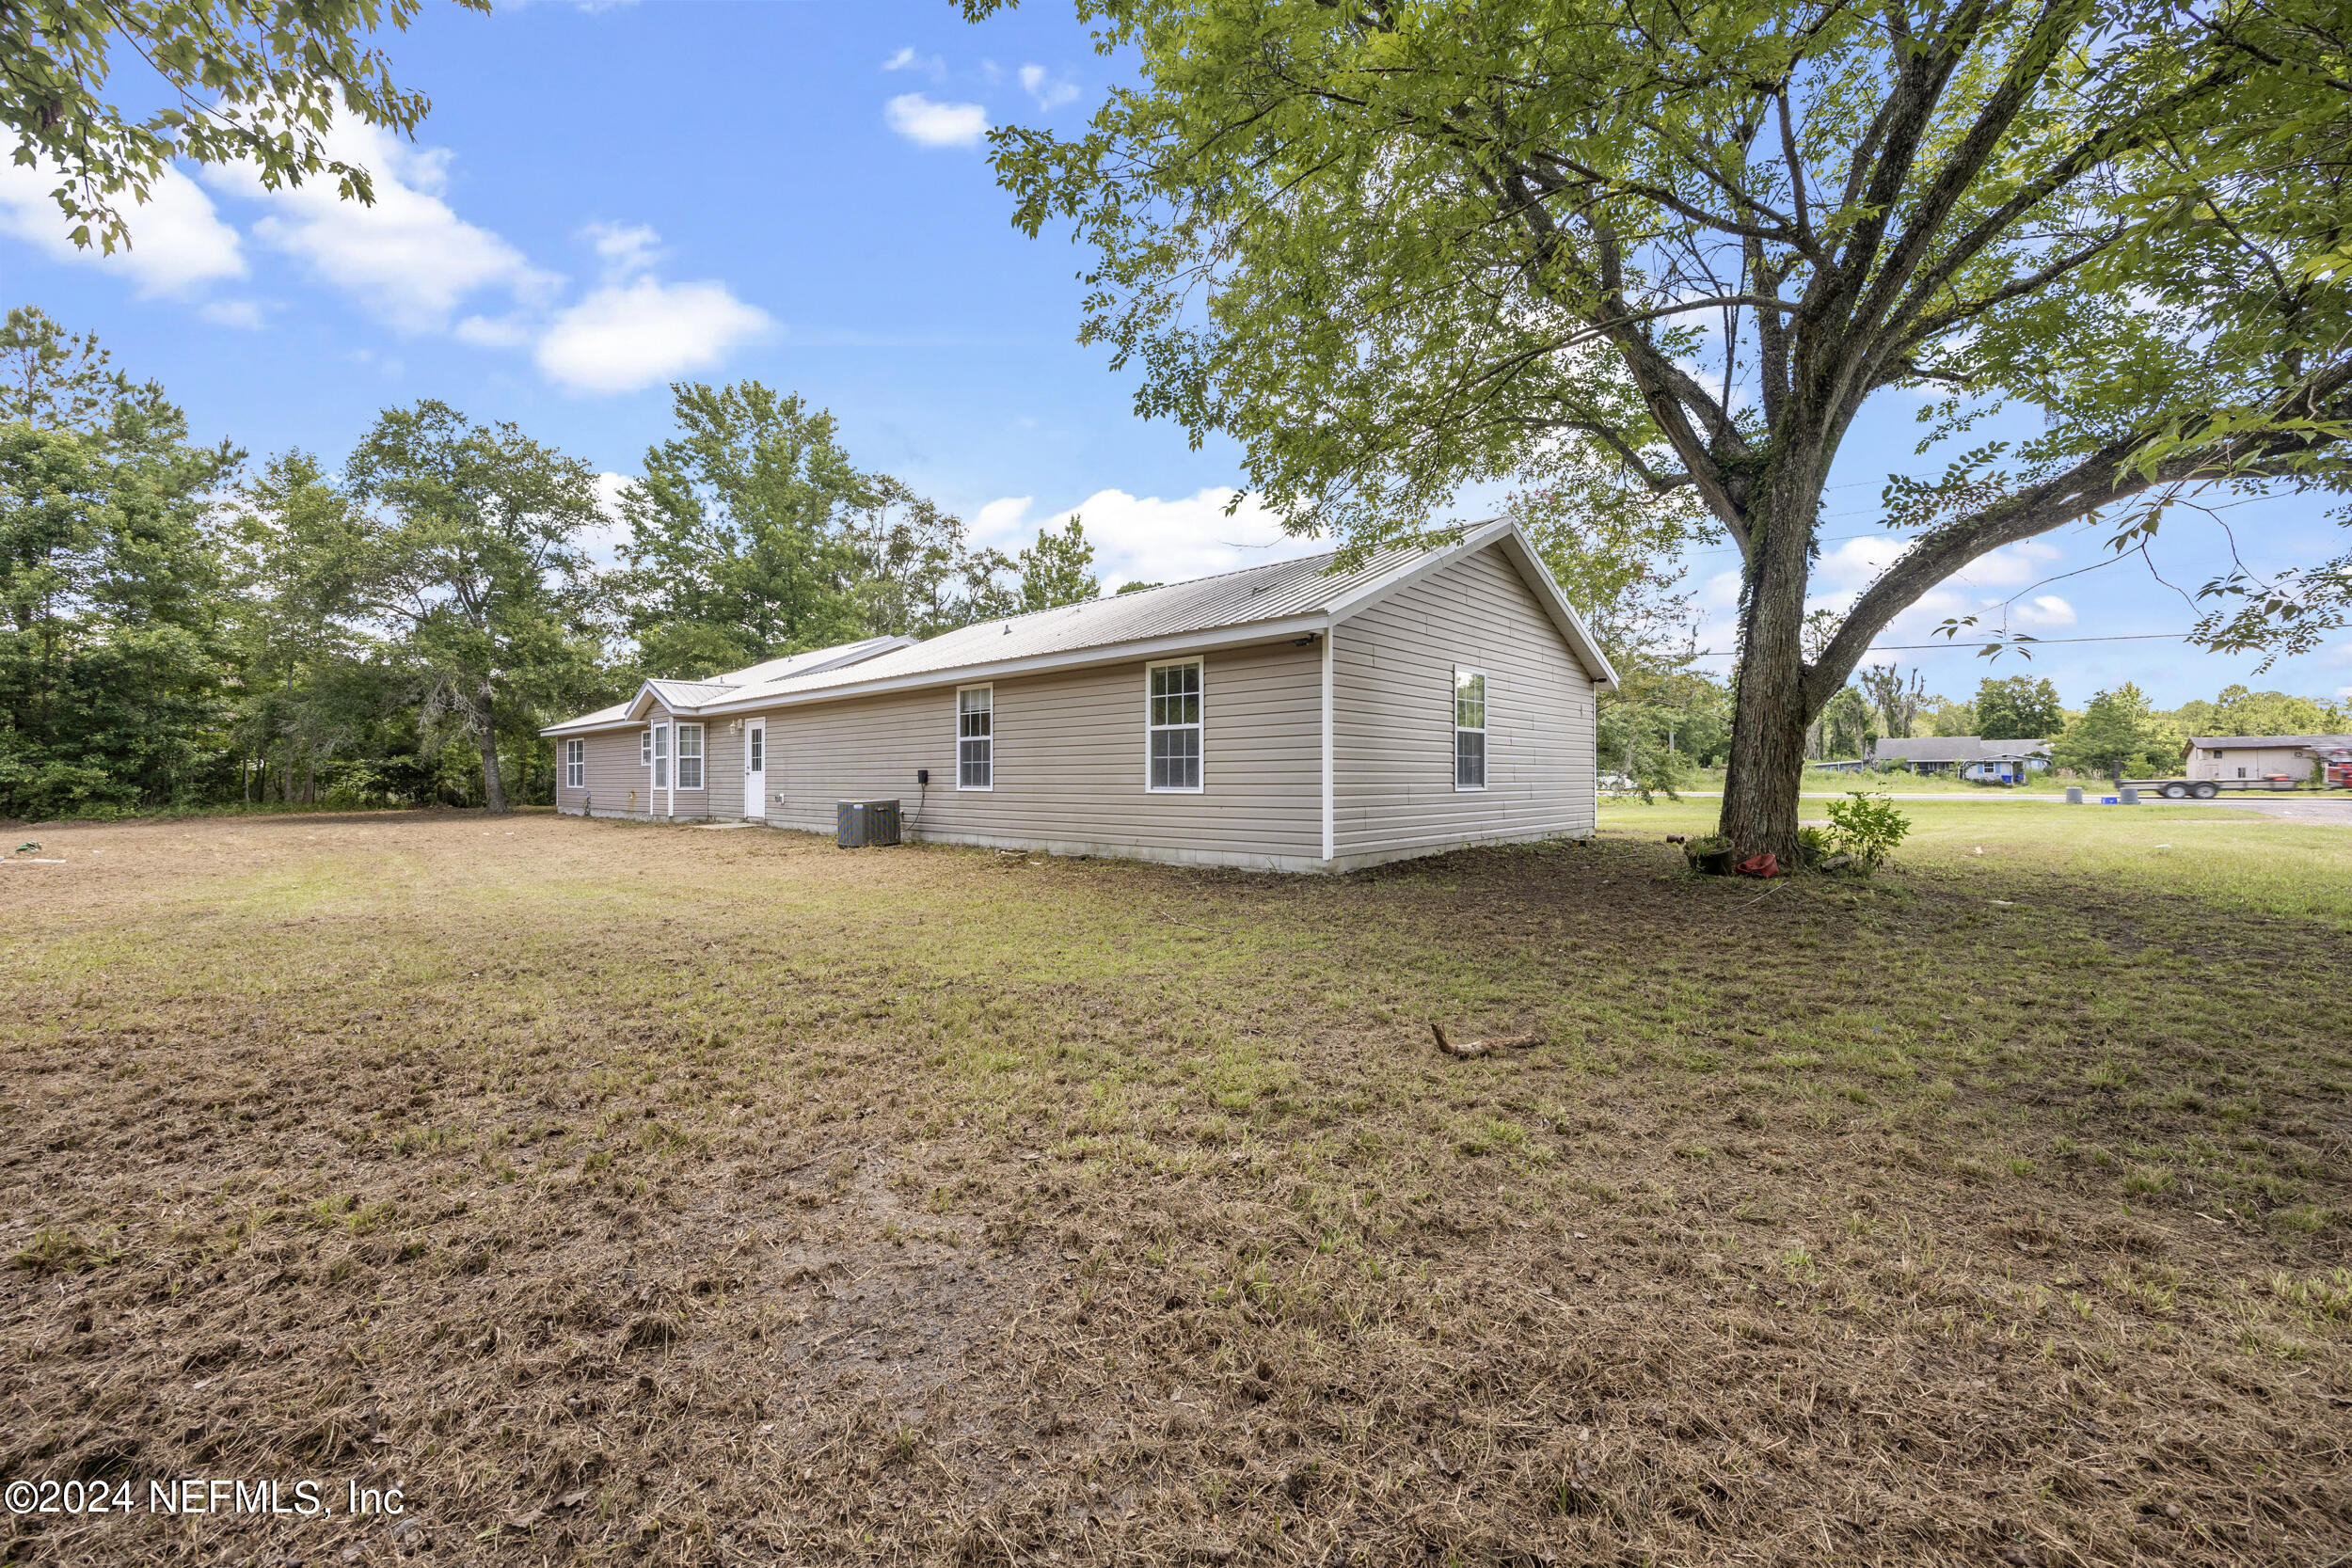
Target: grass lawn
[{"x": 646, "y": 1193}]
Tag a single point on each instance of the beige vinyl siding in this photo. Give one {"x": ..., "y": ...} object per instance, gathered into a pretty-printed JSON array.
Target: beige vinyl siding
[
  {"x": 1069, "y": 753},
  {"x": 614, "y": 772},
  {"x": 722, "y": 798},
  {"x": 1392, "y": 718}
]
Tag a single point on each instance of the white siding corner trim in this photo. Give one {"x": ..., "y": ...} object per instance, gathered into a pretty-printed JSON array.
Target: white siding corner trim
[{"x": 1329, "y": 835}]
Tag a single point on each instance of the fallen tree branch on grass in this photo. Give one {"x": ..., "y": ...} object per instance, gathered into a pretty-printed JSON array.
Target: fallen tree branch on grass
[{"x": 1481, "y": 1048}]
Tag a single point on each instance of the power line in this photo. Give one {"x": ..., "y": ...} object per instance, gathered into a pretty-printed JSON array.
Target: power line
[{"x": 1964, "y": 643}]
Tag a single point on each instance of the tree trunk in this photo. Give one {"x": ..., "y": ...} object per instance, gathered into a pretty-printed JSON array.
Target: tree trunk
[
  {"x": 493, "y": 786},
  {"x": 1767, "y": 732}
]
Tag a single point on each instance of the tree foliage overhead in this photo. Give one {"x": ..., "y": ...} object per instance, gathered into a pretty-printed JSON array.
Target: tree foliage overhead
[
  {"x": 257, "y": 81},
  {"x": 1395, "y": 250}
]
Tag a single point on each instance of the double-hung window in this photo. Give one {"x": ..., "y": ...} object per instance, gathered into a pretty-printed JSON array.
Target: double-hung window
[
  {"x": 1174, "y": 724},
  {"x": 689, "y": 756},
  {"x": 661, "y": 757},
  {"x": 574, "y": 764},
  {"x": 645, "y": 747},
  {"x": 975, "y": 737},
  {"x": 1470, "y": 729}
]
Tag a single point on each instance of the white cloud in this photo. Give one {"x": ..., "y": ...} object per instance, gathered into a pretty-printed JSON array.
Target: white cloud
[
  {"x": 1721, "y": 592},
  {"x": 627, "y": 249},
  {"x": 409, "y": 260},
  {"x": 178, "y": 242},
  {"x": 242, "y": 313},
  {"x": 1149, "y": 539},
  {"x": 1050, "y": 94},
  {"x": 603, "y": 542},
  {"x": 929, "y": 124},
  {"x": 1856, "y": 563},
  {"x": 2010, "y": 567},
  {"x": 2046, "y": 610},
  {"x": 633, "y": 333},
  {"x": 510, "y": 331},
  {"x": 907, "y": 60}
]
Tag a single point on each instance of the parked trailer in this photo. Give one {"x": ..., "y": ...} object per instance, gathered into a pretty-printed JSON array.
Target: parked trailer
[{"x": 2205, "y": 789}]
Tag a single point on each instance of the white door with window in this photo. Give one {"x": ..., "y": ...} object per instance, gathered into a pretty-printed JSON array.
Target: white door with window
[{"x": 755, "y": 770}]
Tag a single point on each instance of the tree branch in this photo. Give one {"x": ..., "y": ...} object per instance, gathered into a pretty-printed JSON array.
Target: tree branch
[{"x": 2100, "y": 479}]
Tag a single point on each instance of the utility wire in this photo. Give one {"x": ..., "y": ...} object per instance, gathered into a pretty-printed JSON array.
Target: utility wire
[{"x": 1968, "y": 641}]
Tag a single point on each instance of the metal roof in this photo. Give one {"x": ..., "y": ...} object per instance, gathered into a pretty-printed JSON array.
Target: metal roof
[
  {"x": 1275, "y": 592},
  {"x": 1955, "y": 748},
  {"x": 2269, "y": 743},
  {"x": 1305, "y": 594},
  {"x": 686, "y": 696}
]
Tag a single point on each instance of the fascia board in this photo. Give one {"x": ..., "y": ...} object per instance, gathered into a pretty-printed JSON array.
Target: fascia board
[
  {"x": 576, "y": 727},
  {"x": 1076, "y": 658}
]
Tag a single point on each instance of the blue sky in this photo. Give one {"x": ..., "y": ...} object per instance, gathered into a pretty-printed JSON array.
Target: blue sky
[{"x": 606, "y": 199}]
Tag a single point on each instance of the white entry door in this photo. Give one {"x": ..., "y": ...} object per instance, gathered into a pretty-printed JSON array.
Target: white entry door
[{"x": 755, "y": 770}]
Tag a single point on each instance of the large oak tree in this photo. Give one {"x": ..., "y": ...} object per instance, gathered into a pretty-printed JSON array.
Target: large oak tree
[{"x": 1661, "y": 256}]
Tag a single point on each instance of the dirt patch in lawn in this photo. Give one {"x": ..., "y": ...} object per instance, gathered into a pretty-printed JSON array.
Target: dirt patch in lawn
[{"x": 621, "y": 1193}]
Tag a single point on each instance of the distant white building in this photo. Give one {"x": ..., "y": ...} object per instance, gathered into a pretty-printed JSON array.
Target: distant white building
[
  {"x": 2231, "y": 757},
  {"x": 1966, "y": 756}
]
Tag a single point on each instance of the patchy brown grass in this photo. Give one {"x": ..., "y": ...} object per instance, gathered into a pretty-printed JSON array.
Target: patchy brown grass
[{"x": 663, "y": 1194}]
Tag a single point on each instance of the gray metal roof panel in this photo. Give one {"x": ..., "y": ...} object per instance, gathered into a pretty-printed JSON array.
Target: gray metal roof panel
[{"x": 1275, "y": 592}]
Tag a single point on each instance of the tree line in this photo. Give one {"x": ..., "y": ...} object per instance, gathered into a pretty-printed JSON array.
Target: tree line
[{"x": 184, "y": 628}]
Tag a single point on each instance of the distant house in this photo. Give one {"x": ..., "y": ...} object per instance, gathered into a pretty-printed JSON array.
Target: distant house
[
  {"x": 1966, "y": 756},
  {"x": 1281, "y": 718},
  {"x": 2257, "y": 757}
]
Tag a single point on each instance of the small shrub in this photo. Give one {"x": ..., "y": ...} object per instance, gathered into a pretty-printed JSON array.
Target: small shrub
[{"x": 1868, "y": 827}]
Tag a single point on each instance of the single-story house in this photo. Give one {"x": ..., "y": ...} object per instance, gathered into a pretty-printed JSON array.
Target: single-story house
[
  {"x": 1968, "y": 755},
  {"x": 1286, "y": 717},
  {"x": 2257, "y": 757}
]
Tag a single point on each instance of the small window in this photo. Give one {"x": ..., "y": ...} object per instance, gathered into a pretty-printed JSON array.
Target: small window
[
  {"x": 576, "y": 765},
  {"x": 975, "y": 737},
  {"x": 661, "y": 757},
  {"x": 1470, "y": 729},
  {"x": 645, "y": 747},
  {"x": 755, "y": 759},
  {"x": 689, "y": 756},
  {"x": 1173, "y": 724}
]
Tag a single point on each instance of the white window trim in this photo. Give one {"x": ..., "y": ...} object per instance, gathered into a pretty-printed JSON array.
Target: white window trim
[
  {"x": 663, "y": 765},
  {"x": 1453, "y": 749},
  {"x": 1201, "y": 728},
  {"x": 701, "y": 758},
  {"x": 989, "y": 687},
  {"x": 645, "y": 747},
  {"x": 574, "y": 764}
]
